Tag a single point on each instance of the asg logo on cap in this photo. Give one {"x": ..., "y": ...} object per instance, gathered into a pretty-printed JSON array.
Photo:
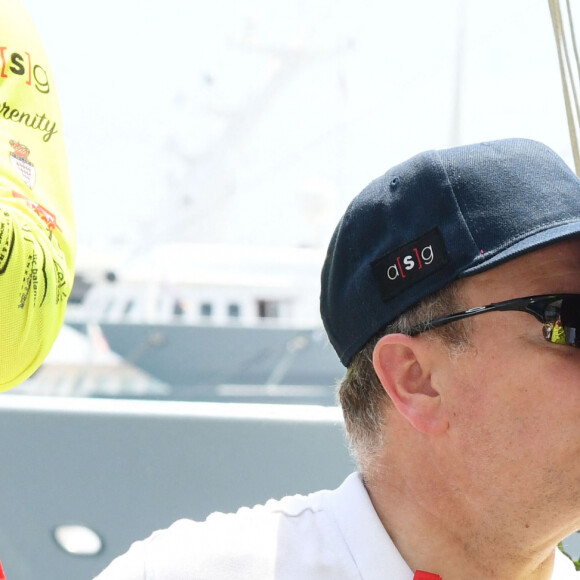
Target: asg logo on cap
[
  {"x": 418, "y": 259},
  {"x": 410, "y": 263}
]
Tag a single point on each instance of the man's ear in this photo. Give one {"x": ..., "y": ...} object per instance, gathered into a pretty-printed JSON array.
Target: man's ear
[{"x": 403, "y": 367}]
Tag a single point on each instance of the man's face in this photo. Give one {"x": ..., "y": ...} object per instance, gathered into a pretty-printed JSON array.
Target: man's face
[{"x": 514, "y": 398}]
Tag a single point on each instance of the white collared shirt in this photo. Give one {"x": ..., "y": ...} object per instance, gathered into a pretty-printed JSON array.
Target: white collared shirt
[{"x": 327, "y": 535}]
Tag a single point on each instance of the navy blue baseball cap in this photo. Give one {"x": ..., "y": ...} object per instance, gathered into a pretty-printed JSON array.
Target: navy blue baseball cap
[{"x": 440, "y": 216}]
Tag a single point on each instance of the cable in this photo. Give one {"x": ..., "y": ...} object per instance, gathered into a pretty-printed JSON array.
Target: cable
[{"x": 568, "y": 80}]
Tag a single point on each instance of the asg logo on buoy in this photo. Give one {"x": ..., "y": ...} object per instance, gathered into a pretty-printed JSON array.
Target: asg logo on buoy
[
  {"x": 22, "y": 65},
  {"x": 410, "y": 263}
]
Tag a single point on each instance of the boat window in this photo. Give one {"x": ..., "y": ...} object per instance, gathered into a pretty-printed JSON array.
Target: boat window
[
  {"x": 178, "y": 308},
  {"x": 79, "y": 290},
  {"x": 268, "y": 309},
  {"x": 234, "y": 310},
  {"x": 206, "y": 309}
]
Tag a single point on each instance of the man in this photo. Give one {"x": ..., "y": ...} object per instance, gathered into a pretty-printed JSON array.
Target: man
[
  {"x": 37, "y": 234},
  {"x": 439, "y": 284}
]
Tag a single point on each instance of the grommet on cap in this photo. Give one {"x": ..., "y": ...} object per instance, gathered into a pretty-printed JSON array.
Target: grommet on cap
[{"x": 394, "y": 182}]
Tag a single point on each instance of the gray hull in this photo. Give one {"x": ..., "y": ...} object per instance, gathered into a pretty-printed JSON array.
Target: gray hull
[{"x": 212, "y": 356}]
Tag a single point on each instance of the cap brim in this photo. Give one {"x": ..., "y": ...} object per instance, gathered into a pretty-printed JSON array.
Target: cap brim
[{"x": 531, "y": 243}]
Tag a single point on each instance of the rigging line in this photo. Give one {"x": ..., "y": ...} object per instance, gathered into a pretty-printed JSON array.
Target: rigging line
[
  {"x": 557, "y": 24},
  {"x": 571, "y": 78},
  {"x": 566, "y": 80},
  {"x": 566, "y": 60},
  {"x": 573, "y": 36}
]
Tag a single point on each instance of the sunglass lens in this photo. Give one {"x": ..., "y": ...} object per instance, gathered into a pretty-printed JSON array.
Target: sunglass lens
[{"x": 562, "y": 321}]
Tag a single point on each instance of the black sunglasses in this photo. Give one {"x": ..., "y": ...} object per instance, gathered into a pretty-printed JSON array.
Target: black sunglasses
[{"x": 559, "y": 313}]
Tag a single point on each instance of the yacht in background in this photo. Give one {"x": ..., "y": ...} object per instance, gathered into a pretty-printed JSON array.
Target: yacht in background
[{"x": 212, "y": 321}]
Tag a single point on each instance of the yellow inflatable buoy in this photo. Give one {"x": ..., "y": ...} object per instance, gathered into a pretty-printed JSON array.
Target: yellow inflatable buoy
[{"x": 37, "y": 235}]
